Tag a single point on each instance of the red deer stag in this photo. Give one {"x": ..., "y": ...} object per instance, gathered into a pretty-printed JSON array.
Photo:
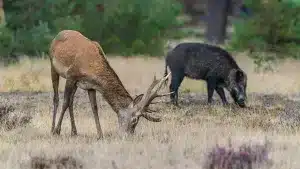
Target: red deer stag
[{"x": 83, "y": 64}]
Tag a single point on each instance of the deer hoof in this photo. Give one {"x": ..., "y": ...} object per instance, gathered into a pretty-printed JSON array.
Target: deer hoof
[
  {"x": 74, "y": 133},
  {"x": 100, "y": 137},
  {"x": 56, "y": 132}
]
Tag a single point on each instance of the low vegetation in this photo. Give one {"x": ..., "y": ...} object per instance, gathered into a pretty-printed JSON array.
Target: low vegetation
[
  {"x": 67, "y": 162},
  {"x": 184, "y": 138}
]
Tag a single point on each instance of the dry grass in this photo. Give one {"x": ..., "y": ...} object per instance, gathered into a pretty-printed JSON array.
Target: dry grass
[
  {"x": 179, "y": 141},
  {"x": 34, "y": 75}
]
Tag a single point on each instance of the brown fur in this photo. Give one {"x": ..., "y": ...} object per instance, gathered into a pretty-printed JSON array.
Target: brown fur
[
  {"x": 86, "y": 59},
  {"x": 83, "y": 64}
]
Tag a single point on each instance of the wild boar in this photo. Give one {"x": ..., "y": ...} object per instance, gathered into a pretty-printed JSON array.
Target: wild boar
[{"x": 210, "y": 63}]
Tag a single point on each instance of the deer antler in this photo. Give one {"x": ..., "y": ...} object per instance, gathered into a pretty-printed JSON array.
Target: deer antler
[
  {"x": 150, "y": 95},
  {"x": 155, "y": 95}
]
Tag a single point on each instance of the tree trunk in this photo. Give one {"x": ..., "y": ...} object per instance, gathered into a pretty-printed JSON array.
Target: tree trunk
[{"x": 217, "y": 20}]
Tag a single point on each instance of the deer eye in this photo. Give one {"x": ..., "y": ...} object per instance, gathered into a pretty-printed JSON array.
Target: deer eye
[{"x": 134, "y": 120}]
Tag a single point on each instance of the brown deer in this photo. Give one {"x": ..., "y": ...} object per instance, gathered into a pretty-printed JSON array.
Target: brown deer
[{"x": 83, "y": 64}]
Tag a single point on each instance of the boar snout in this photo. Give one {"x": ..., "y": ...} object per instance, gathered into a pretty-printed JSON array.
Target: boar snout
[
  {"x": 239, "y": 97},
  {"x": 241, "y": 101}
]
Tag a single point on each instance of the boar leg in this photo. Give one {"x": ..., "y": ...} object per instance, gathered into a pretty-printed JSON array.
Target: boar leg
[
  {"x": 211, "y": 85},
  {"x": 221, "y": 93},
  {"x": 175, "y": 83}
]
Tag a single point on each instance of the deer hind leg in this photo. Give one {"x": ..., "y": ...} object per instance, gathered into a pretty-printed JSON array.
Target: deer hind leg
[
  {"x": 55, "y": 83},
  {"x": 69, "y": 88},
  {"x": 93, "y": 101},
  {"x": 73, "y": 125}
]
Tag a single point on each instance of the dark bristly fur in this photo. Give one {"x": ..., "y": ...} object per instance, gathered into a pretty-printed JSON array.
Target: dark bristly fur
[{"x": 210, "y": 63}]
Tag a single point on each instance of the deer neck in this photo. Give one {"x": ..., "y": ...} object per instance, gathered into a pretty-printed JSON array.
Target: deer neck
[
  {"x": 117, "y": 97},
  {"x": 113, "y": 90}
]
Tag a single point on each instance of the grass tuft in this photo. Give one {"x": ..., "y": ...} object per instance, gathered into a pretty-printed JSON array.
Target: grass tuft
[{"x": 11, "y": 119}]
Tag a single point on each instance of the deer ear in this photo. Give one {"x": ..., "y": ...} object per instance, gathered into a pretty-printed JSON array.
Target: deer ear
[{"x": 136, "y": 100}]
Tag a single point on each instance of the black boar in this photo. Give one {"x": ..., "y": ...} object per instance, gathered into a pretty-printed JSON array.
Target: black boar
[{"x": 210, "y": 63}]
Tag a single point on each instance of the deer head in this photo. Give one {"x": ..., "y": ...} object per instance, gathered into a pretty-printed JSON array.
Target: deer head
[{"x": 139, "y": 107}]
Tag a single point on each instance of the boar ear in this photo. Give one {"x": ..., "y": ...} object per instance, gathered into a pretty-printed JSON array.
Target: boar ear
[{"x": 239, "y": 76}]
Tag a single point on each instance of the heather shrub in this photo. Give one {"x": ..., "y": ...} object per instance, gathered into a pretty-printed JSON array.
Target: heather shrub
[
  {"x": 247, "y": 157},
  {"x": 40, "y": 162}
]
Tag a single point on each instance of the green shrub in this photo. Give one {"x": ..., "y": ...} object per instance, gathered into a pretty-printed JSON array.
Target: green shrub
[
  {"x": 34, "y": 41},
  {"x": 6, "y": 42},
  {"x": 33, "y": 24},
  {"x": 139, "y": 26},
  {"x": 274, "y": 28},
  {"x": 124, "y": 26},
  {"x": 27, "y": 14}
]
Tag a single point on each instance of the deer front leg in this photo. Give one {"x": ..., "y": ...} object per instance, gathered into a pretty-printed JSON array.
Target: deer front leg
[
  {"x": 93, "y": 101},
  {"x": 73, "y": 126},
  {"x": 69, "y": 87}
]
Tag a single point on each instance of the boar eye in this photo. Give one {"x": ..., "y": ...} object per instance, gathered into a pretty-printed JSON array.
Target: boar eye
[{"x": 134, "y": 120}]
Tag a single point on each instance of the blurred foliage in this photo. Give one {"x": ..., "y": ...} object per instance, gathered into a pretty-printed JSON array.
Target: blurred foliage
[
  {"x": 120, "y": 26},
  {"x": 271, "y": 33}
]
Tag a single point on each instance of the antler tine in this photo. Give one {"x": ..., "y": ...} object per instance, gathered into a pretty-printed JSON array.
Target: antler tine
[
  {"x": 160, "y": 83},
  {"x": 165, "y": 94},
  {"x": 154, "y": 95},
  {"x": 153, "y": 84},
  {"x": 151, "y": 118},
  {"x": 146, "y": 113},
  {"x": 154, "y": 102},
  {"x": 150, "y": 110},
  {"x": 150, "y": 88}
]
